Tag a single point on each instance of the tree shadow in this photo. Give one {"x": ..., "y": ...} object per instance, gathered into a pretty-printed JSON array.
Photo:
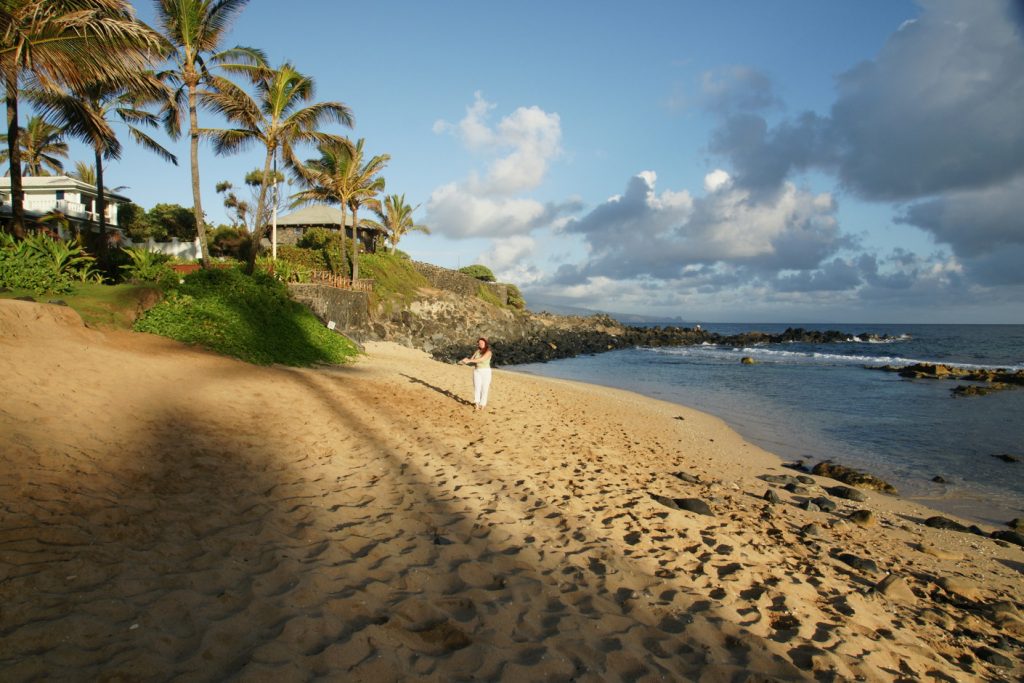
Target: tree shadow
[{"x": 444, "y": 392}]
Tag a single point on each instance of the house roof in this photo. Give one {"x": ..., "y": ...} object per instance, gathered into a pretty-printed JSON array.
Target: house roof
[
  {"x": 54, "y": 183},
  {"x": 318, "y": 214}
]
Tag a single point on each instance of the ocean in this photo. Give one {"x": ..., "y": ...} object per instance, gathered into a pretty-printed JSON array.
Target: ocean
[{"x": 817, "y": 401}]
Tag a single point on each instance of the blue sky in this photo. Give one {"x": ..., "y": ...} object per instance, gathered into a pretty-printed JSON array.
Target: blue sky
[{"x": 847, "y": 161}]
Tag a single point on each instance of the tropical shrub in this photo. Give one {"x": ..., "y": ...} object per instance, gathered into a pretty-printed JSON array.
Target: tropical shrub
[
  {"x": 515, "y": 297},
  {"x": 44, "y": 265},
  {"x": 316, "y": 238},
  {"x": 479, "y": 272},
  {"x": 310, "y": 259},
  {"x": 249, "y": 317},
  {"x": 227, "y": 240},
  {"x": 147, "y": 266}
]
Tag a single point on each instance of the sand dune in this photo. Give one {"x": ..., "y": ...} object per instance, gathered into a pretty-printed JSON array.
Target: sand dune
[{"x": 169, "y": 513}]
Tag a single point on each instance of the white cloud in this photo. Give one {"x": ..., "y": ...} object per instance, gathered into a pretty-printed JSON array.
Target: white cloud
[
  {"x": 518, "y": 151},
  {"x": 716, "y": 180}
]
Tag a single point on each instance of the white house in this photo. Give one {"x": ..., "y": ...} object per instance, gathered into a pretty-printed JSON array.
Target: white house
[{"x": 71, "y": 197}]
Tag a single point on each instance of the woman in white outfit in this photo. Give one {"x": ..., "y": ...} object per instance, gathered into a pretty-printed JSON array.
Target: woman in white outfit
[{"x": 481, "y": 362}]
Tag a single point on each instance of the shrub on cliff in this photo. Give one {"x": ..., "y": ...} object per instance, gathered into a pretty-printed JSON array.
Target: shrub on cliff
[
  {"x": 395, "y": 280},
  {"x": 479, "y": 272},
  {"x": 515, "y": 297},
  {"x": 248, "y": 317}
]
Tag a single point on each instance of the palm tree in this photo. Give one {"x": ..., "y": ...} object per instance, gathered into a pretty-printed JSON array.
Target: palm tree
[
  {"x": 336, "y": 177},
  {"x": 396, "y": 219},
  {"x": 86, "y": 112},
  {"x": 276, "y": 120},
  {"x": 195, "y": 29},
  {"x": 41, "y": 145},
  {"x": 53, "y": 43},
  {"x": 366, "y": 185}
]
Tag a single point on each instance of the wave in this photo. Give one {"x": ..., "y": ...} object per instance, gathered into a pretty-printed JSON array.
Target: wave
[{"x": 782, "y": 357}]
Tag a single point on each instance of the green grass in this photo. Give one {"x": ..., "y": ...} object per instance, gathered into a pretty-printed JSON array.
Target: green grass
[
  {"x": 395, "y": 280},
  {"x": 111, "y": 306},
  {"x": 248, "y": 317}
]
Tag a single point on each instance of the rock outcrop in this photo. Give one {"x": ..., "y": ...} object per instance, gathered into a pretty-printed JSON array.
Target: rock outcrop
[
  {"x": 989, "y": 379},
  {"x": 447, "y": 324}
]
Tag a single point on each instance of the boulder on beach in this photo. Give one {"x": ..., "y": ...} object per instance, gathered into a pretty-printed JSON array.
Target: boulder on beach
[{"x": 852, "y": 477}]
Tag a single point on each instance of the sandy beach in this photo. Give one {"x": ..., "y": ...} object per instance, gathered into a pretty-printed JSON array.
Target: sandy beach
[{"x": 169, "y": 513}]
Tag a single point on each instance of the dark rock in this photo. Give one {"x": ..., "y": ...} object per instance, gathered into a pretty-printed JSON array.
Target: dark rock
[
  {"x": 1016, "y": 523},
  {"x": 772, "y": 497},
  {"x": 747, "y": 360},
  {"x": 992, "y": 657},
  {"x": 811, "y": 530},
  {"x": 780, "y": 479},
  {"x": 1014, "y": 537},
  {"x": 852, "y": 477},
  {"x": 57, "y": 302},
  {"x": 795, "y": 489},
  {"x": 1005, "y": 457},
  {"x": 688, "y": 504},
  {"x": 861, "y": 564},
  {"x": 810, "y": 506},
  {"x": 824, "y": 504},
  {"x": 962, "y": 390},
  {"x": 862, "y": 517},
  {"x": 946, "y": 523},
  {"x": 24, "y": 298},
  {"x": 798, "y": 465},
  {"x": 688, "y": 478},
  {"x": 804, "y": 479},
  {"x": 939, "y": 480},
  {"x": 846, "y": 493}
]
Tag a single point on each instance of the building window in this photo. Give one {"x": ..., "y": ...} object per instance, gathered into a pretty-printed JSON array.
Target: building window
[{"x": 60, "y": 194}]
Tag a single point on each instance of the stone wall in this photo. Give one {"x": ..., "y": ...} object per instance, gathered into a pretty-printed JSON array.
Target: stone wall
[
  {"x": 349, "y": 310},
  {"x": 460, "y": 283}
]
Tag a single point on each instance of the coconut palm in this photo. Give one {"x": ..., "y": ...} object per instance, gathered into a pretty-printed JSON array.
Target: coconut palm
[
  {"x": 366, "y": 185},
  {"x": 41, "y": 146},
  {"x": 195, "y": 29},
  {"x": 89, "y": 112},
  {"x": 52, "y": 43},
  {"x": 336, "y": 177},
  {"x": 396, "y": 219},
  {"x": 274, "y": 119}
]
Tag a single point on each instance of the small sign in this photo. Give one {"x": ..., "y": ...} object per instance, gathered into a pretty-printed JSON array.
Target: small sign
[{"x": 331, "y": 325}]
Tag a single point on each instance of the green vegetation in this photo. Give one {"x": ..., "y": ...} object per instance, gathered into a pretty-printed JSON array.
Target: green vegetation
[
  {"x": 111, "y": 306},
  {"x": 479, "y": 272},
  {"x": 148, "y": 266},
  {"x": 488, "y": 296},
  {"x": 515, "y": 297},
  {"x": 42, "y": 265},
  {"x": 395, "y": 280},
  {"x": 248, "y": 317}
]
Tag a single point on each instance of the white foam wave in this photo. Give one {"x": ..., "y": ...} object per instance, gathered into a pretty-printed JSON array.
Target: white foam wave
[{"x": 782, "y": 356}]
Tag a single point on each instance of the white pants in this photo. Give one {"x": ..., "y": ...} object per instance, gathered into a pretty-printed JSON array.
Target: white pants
[{"x": 481, "y": 385}]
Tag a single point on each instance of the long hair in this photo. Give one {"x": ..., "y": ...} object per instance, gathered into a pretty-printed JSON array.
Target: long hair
[{"x": 487, "y": 345}]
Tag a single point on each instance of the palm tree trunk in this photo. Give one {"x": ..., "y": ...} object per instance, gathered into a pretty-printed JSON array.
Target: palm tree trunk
[
  {"x": 17, "y": 226},
  {"x": 355, "y": 245},
  {"x": 101, "y": 211},
  {"x": 342, "y": 235},
  {"x": 197, "y": 201},
  {"x": 261, "y": 216}
]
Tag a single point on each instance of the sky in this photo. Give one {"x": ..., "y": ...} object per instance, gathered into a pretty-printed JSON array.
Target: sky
[{"x": 800, "y": 161}]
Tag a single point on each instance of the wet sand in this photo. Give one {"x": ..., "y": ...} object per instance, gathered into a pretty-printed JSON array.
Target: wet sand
[{"x": 169, "y": 513}]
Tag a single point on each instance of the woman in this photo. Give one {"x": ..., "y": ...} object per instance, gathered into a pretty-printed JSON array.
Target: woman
[{"x": 481, "y": 362}]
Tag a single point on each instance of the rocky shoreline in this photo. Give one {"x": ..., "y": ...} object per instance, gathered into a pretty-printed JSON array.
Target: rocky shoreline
[{"x": 987, "y": 380}]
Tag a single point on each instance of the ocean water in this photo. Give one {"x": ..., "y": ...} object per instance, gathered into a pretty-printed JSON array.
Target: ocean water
[{"x": 812, "y": 402}]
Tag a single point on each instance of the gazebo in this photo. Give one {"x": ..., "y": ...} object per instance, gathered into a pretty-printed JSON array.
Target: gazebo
[{"x": 291, "y": 227}]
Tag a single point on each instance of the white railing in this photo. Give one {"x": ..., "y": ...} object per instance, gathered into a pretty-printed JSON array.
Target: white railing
[{"x": 70, "y": 208}]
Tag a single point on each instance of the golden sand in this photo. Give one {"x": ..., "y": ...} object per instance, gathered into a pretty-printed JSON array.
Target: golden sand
[{"x": 167, "y": 512}]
